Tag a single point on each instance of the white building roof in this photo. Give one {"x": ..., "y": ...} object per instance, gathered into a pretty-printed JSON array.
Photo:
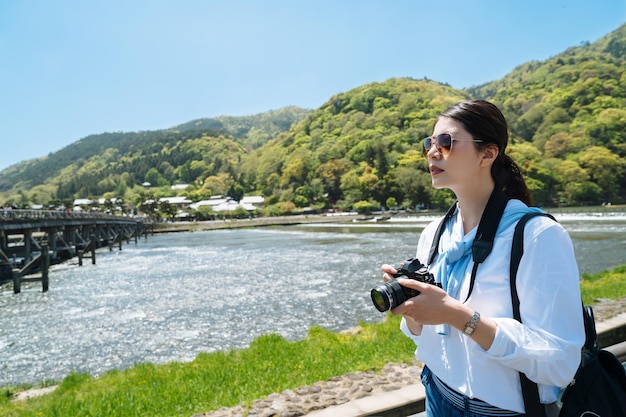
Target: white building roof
[
  {"x": 82, "y": 201},
  {"x": 252, "y": 199},
  {"x": 213, "y": 202},
  {"x": 226, "y": 206},
  {"x": 176, "y": 200},
  {"x": 223, "y": 204}
]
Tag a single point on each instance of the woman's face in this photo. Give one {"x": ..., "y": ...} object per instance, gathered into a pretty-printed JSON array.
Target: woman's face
[{"x": 461, "y": 167}]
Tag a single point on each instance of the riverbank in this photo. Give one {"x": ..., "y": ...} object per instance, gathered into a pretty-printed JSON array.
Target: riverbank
[{"x": 184, "y": 226}]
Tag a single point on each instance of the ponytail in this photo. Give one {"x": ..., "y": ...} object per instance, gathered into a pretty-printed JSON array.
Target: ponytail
[{"x": 507, "y": 175}]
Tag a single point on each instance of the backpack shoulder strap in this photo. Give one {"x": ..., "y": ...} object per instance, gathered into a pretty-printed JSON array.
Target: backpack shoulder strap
[
  {"x": 517, "y": 250},
  {"x": 530, "y": 391}
]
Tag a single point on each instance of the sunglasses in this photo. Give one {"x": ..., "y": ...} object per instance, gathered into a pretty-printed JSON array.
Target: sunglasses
[{"x": 443, "y": 143}]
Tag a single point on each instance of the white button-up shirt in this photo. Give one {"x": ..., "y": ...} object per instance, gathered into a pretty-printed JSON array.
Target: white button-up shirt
[{"x": 546, "y": 347}]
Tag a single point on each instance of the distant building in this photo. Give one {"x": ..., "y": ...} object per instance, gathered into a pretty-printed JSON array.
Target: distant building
[
  {"x": 255, "y": 200},
  {"x": 181, "y": 202},
  {"x": 222, "y": 203},
  {"x": 82, "y": 202},
  {"x": 214, "y": 201}
]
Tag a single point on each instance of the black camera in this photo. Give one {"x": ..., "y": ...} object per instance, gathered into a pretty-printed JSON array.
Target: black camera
[{"x": 391, "y": 294}]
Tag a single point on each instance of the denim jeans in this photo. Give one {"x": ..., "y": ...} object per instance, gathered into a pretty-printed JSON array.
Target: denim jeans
[{"x": 439, "y": 405}]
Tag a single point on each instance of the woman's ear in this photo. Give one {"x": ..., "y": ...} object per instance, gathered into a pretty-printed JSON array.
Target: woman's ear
[{"x": 490, "y": 153}]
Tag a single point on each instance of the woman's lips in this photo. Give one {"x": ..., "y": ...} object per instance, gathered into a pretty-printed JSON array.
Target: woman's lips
[{"x": 434, "y": 170}]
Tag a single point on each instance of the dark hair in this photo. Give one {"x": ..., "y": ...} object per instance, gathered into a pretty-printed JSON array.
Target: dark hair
[{"x": 484, "y": 121}]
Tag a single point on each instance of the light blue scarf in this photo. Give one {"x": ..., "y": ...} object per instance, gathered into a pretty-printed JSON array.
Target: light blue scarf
[{"x": 454, "y": 256}]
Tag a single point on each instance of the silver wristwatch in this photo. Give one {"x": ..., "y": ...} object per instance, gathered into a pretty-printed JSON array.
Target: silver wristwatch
[{"x": 471, "y": 325}]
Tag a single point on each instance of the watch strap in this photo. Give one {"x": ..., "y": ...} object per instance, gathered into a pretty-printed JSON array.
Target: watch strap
[{"x": 471, "y": 325}]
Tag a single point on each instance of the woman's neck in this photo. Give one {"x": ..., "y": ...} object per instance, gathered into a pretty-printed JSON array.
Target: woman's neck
[{"x": 473, "y": 205}]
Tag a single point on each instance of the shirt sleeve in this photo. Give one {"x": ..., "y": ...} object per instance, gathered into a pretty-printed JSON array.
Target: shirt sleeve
[
  {"x": 546, "y": 346},
  {"x": 405, "y": 329}
]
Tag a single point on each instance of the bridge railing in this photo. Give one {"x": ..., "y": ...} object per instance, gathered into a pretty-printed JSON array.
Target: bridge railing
[{"x": 20, "y": 215}]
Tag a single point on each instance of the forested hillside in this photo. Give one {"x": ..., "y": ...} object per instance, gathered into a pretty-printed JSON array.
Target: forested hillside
[
  {"x": 114, "y": 165},
  {"x": 361, "y": 148}
]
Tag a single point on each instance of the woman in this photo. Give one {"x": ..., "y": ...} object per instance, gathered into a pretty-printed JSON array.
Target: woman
[{"x": 472, "y": 348}]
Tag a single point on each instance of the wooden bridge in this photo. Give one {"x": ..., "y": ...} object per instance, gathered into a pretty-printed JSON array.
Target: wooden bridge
[{"x": 32, "y": 240}]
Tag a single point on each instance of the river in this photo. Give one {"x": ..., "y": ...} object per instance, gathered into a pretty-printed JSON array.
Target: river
[{"x": 170, "y": 297}]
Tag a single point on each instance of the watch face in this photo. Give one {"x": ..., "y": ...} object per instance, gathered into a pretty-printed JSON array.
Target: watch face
[{"x": 471, "y": 326}]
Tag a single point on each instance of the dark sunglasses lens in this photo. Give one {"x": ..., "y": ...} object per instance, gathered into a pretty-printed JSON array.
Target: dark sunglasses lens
[
  {"x": 443, "y": 143},
  {"x": 428, "y": 143}
]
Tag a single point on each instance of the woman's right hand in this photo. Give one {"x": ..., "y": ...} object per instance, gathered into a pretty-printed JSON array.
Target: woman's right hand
[{"x": 388, "y": 272}]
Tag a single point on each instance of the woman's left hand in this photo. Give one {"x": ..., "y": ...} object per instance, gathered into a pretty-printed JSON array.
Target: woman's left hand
[{"x": 432, "y": 306}]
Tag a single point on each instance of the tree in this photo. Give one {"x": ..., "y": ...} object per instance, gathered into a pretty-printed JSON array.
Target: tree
[
  {"x": 330, "y": 173},
  {"x": 581, "y": 192},
  {"x": 369, "y": 183},
  {"x": 605, "y": 169},
  {"x": 217, "y": 184},
  {"x": 155, "y": 178},
  {"x": 239, "y": 213},
  {"x": 167, "y": 209},
  {"x": 570, "y": 172},
  {"x": 415, "y": 185},
  {"x": 350, "y": 186},
  {"x": 557, "y": 145},
  {"x": 391, "y": 203},
  {"x": 236, "y": 192},
  {"x": 365, "y": 206},
  {"x": 609, "y": 128},
  {"x": 205, "y": 212},
  {"x": 294, "y": 172}
]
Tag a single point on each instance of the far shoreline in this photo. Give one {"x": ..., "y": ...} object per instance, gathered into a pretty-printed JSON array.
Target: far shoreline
[
  {"x": 346, "y": 217},
  {"x": 199, "y": 226}
]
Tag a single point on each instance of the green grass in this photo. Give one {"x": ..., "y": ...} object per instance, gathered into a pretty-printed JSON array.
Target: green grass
[
  {"x": 224, "y": 379},
  {"x": 605, "y": 284},
  {"x": 213, "y": 380}
]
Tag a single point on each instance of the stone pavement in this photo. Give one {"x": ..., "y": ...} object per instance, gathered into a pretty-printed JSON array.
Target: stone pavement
[{"x": 340, "y": 396}]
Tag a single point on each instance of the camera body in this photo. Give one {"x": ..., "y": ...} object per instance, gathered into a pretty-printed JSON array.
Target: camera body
[{"x": 391, "y": 294}]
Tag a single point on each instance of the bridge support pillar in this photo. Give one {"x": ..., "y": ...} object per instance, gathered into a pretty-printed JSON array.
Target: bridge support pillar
[
  {"x": 45, "y": 265},
  {"x": 93, "y": 249},
  {"x": 17, "y": 281}
]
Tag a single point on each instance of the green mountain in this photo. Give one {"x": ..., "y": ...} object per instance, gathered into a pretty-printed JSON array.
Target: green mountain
[
  {"x": 256, "y": 129},
  {"x": 105, "y": 163},
  {"x": 567, "y": 117}
]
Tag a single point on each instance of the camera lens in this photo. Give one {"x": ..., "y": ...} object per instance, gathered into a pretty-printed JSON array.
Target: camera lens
[{"x": 387, "y": 296}]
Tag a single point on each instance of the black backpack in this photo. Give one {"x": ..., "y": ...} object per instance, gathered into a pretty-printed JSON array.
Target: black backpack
[{"x": 599, "y": 386}]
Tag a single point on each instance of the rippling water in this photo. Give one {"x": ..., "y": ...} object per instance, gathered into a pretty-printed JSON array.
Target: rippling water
[{"x": 170, "y": 297}]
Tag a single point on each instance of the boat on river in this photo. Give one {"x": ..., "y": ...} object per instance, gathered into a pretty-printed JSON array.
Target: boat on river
[{"x": 374, "y": 219}]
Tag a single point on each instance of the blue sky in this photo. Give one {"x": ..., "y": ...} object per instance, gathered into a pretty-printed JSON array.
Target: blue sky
[{"x": 69, "y": 69}]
